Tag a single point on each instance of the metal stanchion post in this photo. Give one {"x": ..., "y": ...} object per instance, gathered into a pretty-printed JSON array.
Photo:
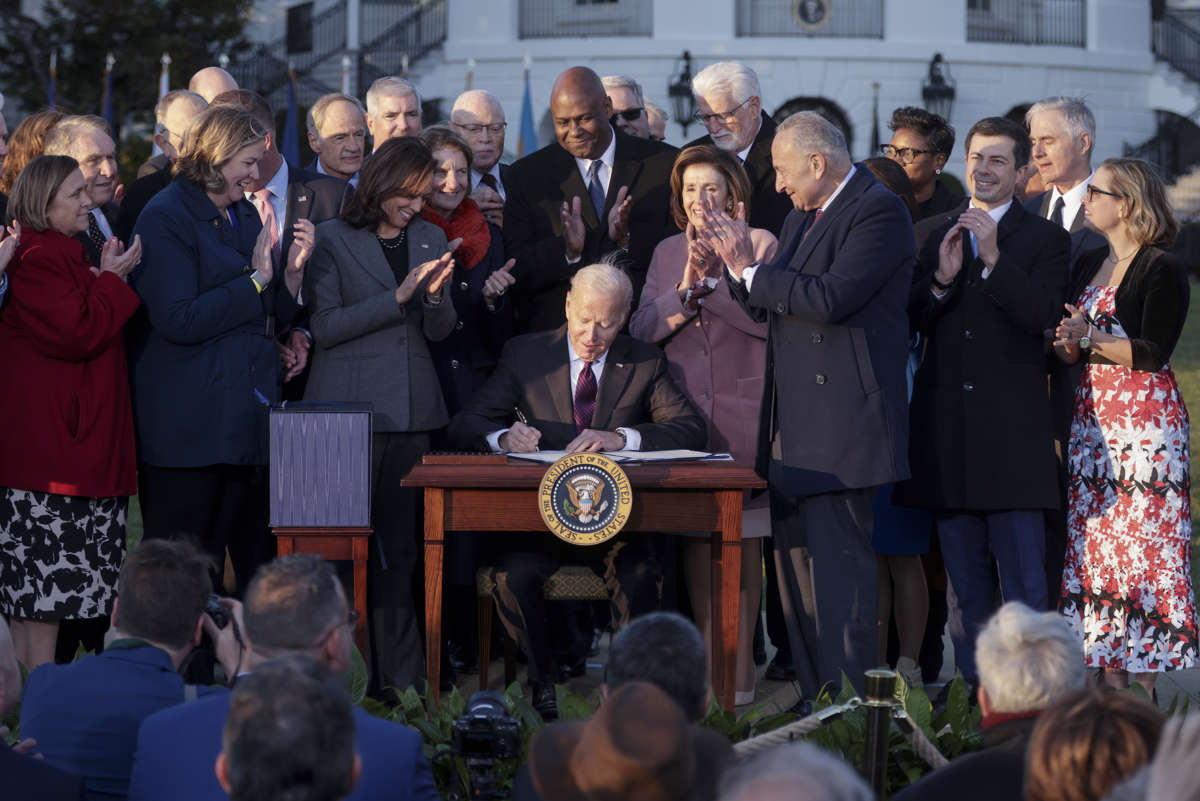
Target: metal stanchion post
[{"x": 879, "y": 689}]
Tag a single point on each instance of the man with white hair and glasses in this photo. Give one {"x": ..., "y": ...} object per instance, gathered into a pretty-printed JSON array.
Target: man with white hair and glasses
[{"x": 478, "y": 118}]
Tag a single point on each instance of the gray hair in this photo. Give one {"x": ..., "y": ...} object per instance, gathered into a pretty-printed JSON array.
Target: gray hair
[
  {"x": 1027, "y": 660},
  {"x": 473, "y": 96},
  {"x": 737, "y": 79},
  {"x": 624, "y": 82},
  {"x": 389, "y": 86},
  {"x": 809, "y": 132},
  {"x": 61, "y": 139},
  {"x": 657, "y": 109},
  {"x": 316, "y": 114},
  {"x": 667, "y": 650},
  {"x": 603, "y": 279},
  {"x": 794, "y": 772},
  {"x": 1078, "y": 116},
  {"x": 166, "y": 101}
]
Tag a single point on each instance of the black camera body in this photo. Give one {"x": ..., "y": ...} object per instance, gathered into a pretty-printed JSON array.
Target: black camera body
[
  {"x": 482, "y": 736},
  {"x": 218, "y": 613}
]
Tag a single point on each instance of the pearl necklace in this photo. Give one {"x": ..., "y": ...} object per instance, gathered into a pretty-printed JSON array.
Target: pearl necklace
[{"x": 394, "y": 242}]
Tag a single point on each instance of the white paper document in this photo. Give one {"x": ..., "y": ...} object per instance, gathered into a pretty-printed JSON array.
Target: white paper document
[{"x": 549, "y": 457}]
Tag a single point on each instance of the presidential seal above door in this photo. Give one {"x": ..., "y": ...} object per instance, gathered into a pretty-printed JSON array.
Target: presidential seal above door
[{"x": 585, "y": 498}]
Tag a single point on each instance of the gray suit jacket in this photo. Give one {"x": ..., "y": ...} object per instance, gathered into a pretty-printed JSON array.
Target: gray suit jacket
[{"x": 367, "y": 347}]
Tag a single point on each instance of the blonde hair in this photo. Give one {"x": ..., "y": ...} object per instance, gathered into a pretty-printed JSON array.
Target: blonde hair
[
  {"x": 1150, "y": 220},
  {"x": 214, "y": 137},
  {"x": 35, "y": 188}
]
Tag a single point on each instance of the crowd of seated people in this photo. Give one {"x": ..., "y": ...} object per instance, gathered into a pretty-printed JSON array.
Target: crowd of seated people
[{"x": 934, "y": 386}]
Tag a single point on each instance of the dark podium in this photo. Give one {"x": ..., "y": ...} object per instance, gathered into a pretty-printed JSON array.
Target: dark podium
[{"x": 484, "y": 495}]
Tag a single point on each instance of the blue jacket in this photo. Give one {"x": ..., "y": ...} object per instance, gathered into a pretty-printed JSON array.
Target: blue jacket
[
  {"x": 176, "y": 750},
  {"x": 203, "y": 360},
  {"x": 85, "y": 716}
]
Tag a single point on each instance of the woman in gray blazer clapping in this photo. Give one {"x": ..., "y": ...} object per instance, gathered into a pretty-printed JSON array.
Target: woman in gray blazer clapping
[{"x": 375, "y": 284}]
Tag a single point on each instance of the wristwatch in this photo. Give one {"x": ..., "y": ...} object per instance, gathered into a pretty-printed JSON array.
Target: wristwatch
[{"x": 1085, "y": 341}]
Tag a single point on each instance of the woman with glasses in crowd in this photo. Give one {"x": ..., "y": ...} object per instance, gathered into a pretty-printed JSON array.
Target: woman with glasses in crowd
[
  {"x": 921, "y": 143},
  {"x": 67, "y": 465},
  {"x": 376, "y": 291},
  {"x": 1127, "y": 587},
  {"x": 717, "y": 355}
]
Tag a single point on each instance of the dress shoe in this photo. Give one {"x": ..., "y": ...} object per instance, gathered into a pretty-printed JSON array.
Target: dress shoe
[
  {"x": 780, "y": 669},
  {"x": 461, "y": 660},
  {"x": 572, "y": 671},
  {"x": 544, "y": 700},
  {"x": 802, "y": 708}
]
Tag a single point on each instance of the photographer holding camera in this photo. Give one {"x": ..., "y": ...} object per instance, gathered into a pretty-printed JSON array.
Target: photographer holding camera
[
  {"x": 294, "y": 605},
  {"x": 85, "y": 715}
]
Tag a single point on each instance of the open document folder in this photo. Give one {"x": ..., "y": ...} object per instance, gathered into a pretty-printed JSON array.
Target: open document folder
[{"x": 549, "y": 457}]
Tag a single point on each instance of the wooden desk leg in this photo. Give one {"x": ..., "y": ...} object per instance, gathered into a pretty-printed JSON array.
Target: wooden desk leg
[
  {"x": 726, "y": 594},
  {"x": 284, "y": 546},
  {"x": 434, "y": 554},
  {"x": 360, "y": 547}
]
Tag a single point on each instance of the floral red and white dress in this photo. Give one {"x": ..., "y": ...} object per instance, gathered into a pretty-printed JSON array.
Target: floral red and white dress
[{"x": 1127, "y": 584}]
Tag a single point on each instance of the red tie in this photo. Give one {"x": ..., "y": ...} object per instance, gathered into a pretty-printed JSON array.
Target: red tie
[
  {"x": 814, "y": 222},
  {"x": 585, "y": 398}
]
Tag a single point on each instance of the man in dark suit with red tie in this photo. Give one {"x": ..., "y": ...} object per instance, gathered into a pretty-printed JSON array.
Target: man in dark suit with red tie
[
  {"x": 592, "y": 193},
  {"x": 835, "y": 412},
  {"x": 582, "y": 387}
]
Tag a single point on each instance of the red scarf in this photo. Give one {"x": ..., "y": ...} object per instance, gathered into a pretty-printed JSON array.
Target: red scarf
[{"x": 467, "y": 222}]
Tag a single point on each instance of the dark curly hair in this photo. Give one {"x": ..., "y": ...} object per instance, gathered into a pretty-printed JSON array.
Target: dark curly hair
[{"x": 933, "y": 127}]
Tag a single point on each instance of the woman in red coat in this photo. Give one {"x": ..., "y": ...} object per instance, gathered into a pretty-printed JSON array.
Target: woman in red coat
[{"x": 67, "y": 455}]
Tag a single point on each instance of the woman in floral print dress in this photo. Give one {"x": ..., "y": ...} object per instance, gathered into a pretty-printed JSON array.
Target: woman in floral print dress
[{"x": 1127, "y": 587}]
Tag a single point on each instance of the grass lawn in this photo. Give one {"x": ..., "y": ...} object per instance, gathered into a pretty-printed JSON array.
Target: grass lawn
[{"x": 1186, "y": 363}]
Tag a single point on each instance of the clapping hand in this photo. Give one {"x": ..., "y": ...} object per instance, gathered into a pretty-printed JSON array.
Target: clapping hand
[
  {"x": 729, "y": 237},
  {"x": 8, "y": 245},
  {"x": 950, "y": 254},
  {"x": 1071, "y": 328},
  {"x": 432, "y": 275},
  {"x": 293, "y": 353},
  {"x": 498, "y": 283},
  {"x": 119, "y": 260},
  {"x": 304, "y": 237},
  {"x": 260, "y": 258},
  {"x": 980, "y": 223},
  {"x": 702, "y": 260},
  {"x": 574, "y": 231},
  {"x": 618, "y": 216}
]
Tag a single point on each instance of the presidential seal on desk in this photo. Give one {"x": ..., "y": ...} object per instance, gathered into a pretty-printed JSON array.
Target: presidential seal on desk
[{"x": 585, "y": 498}]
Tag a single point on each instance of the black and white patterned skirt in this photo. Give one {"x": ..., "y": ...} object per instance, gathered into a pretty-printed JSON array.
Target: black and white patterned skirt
[{"x": 60, "y": 555}]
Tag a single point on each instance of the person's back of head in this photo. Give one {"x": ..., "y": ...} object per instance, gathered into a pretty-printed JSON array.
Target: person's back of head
[
  {"x": 289, "y": 735},
  {"x": 295, "y": 604},
  {"x": 1087, "y": 743},
  {"x": 667, "y": 650},
  {"x": 794, "y": 772},
  {"x": 1027, "y": 660},
  {"x": 161, "y": 593}
]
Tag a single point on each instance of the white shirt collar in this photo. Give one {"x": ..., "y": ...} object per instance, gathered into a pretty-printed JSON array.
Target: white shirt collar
[
  {"x": 102, "y": 221},
  {"x": 477, "y": 177},
  {"x": 1072, "y": 199},
  {"x": 742, "y": 154},
  {"x": 577, "y": 361},
  {"x": 321, "y": 170},
  {"x": 279, "y": 181},
  {"x": 607, "y": 158},
  {"x": 840, "y": 187}
]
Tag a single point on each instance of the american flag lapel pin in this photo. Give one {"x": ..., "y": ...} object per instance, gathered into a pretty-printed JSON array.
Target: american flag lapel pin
[{"x": 302, "y": 199}]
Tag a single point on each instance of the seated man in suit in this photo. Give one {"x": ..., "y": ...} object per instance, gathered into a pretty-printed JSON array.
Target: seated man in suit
[
  {"x": 294, "y": 605},
  {"x": 591, "y": 193},
  {"x": 582, "y": 387},
  {"x": 85, "y": 715}
]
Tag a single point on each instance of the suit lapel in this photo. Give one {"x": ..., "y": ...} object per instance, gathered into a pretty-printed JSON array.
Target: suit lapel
[
  {"x": 625, "y": 172},
  {"x": 1044, "y": 209},
  {"x": 420, "y": 248},
  {"x": 572, "y": 186},
  {"x": 558, "y": 377},
  {"x": 817, "y": 230},
  {"x": 617, "y": 373},
  {"x": 366, "y": 250}
]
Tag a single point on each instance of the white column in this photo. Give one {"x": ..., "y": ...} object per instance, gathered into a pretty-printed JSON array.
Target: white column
[
  {"x": 353, "y": 18},
  {"x": 910, "y": 21}
]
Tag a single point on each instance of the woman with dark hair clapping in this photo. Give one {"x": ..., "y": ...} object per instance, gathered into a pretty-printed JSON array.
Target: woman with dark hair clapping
[{"x": 1127, "y": 583}]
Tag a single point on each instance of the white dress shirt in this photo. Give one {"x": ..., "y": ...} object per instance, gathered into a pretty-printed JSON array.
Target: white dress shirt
[
  {"x": 476, "y": 177},
  {"x": 607, "y": 160},
  {"x": 1072, "y": 200},
  {"x": 748, "y": 273},
  {"x": 995, "y": 214},
  {"x": 102, "y": 221},
  {"x": 277, "y": 186},
  {"x": 633, "y": 437},
  {"x": 353, "y": 178}
]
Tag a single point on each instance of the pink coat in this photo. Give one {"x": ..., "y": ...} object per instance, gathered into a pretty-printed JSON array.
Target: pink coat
[{"x": 717, "y": 356}]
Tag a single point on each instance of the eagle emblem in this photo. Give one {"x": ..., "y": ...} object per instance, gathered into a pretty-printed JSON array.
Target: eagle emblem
[
  {"x": 585, "y": 493},
  {"x": 585, "y": 498}
]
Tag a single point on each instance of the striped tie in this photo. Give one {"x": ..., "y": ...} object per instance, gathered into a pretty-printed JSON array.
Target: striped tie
[{"x": 585, "y": 398}]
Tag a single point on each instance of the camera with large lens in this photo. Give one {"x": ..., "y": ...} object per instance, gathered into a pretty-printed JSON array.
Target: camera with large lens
[{"x": 483, "y": 736}]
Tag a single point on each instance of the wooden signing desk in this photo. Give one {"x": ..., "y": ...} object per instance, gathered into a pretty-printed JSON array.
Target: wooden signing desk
[{"x": 680, "y": 496}]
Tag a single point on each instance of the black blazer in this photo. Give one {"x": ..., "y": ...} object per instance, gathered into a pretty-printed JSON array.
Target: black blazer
[
  {"x": 768, "y": 208},
  {"x": 1083, "y": 238},
  {"x": 312, "y": 196},
  {"x": 533, "y": 234},
  {"x": 636, "y": 391},
  {"x": 835, "y": 296},
  {"x": 1152, "y": 301},
  {"x": 980, "y": 415}
]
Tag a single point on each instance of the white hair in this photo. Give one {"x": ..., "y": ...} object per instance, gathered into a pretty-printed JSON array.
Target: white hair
[
  {"x": 794, "y": 772},
  {"x": 809, "y": 132},
  {"x": 605, "y": 280},
  {"x": 166, "y": 101},
  {"x": 60, "y": 141},
  {"x": 1027, "y": 660},
  {"x": 1078, "y": 116},
  {"x": 475, "y": 98},
  {"x": 731, "y": 77},
  {"x": 624, "y": 82},
  {"x": 318, "y": 110},
  {"x": 389, "y": 86},
  {"x": 657, "y": 109}
]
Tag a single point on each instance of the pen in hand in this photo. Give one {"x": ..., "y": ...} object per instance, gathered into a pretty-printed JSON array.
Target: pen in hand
[{"x": 523, "y": 421}]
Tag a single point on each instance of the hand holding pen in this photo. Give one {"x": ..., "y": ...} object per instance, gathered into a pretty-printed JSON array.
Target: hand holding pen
[{"x": 522, "y": 437}]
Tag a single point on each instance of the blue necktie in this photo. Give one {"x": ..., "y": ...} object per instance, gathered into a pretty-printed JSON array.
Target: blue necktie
[{"x": 594, "y": 188}]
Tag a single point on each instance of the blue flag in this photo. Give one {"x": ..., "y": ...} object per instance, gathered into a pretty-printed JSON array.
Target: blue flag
[
  {"x": 106, "y": 105},
  {"x": 52, "y": 95},
  {"x": 290, "y": 146},
  {"x": 527, "y": 142}
]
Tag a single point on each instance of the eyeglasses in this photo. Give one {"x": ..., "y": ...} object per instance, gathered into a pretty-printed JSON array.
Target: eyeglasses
[
  {"x": 904, "y": 155},
  {"x": 1093, "y": 190},
  {"x": 726, "y": 117},
  {"x": 629, "y": 115},
  {"x": 495, "y": 129}
]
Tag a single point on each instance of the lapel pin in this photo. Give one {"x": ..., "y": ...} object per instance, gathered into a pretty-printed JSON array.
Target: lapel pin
[
  {"x": 620, "y": 364},
  {"x": 302, "y": 199},
  {"x": 425, "y": 246}
]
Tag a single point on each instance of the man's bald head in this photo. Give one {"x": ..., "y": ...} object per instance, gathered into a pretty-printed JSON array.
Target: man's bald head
[
  {"x": 581, "y": 108},
  {"x": 210, "y": 82},
  {"x": 479, "y": 118}
]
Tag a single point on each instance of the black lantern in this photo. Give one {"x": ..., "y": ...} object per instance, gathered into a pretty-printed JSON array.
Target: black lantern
[
  {"x": 680, "y": 90},
  {"x": 937, "y": 90}
]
